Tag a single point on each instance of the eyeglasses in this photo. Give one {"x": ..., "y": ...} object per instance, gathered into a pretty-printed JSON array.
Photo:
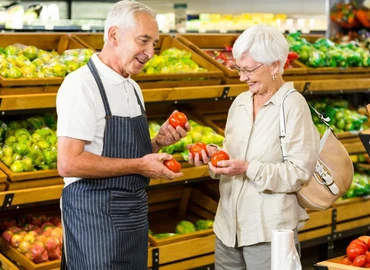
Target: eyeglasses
[{"x": 246, "y": 71}]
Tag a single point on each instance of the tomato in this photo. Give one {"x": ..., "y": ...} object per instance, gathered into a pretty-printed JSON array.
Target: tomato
[
  {"x": 173, "y": 165},
  {"x": 218, "y": 156},
  {"x": 178, "y": 119},
  {"x": 346, "y": 261},
  {"x": 365, "y": 238},
  {"x": 368, "y": 256},
  {"x": 360, "y": 242},
  {"x": 360, "y": 261},
  {"x": 355, "y": 249},
  {"x": 197, "y": 149}
]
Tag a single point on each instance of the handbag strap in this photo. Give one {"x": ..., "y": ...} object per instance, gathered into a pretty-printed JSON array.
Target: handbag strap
[
  {"x": 325, "y": 120},
  {"x": 282, "y": 125}
]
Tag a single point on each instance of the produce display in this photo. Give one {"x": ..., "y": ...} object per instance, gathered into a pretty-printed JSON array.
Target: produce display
[
  {"x": 226, "y": 58},
  {"x": 341, "y": 117},
  {"x": 172, "y": 60},
  {"x": 20, "y": 61},
  {"x": 38, "y": 238},
  {"x": 360, "y": 186},
  {"x": 358, "y": 252},
  {"x": 351, "y": 14},
  {"x": 29, "y": 145},
  {"x": 198, "y": 133},
  {"x": 184, "y": 227},
  {"x": 325, "y": 53}
]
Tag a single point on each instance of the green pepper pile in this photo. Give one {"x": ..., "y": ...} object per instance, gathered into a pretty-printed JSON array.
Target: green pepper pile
[
  {"x": 360, "y": 186},
  {"x": 325, "y": 53},
  {"x": 29, "y": 145},
  {"x": 198, "y": 133},
  {"x": 341, "y": 118}
]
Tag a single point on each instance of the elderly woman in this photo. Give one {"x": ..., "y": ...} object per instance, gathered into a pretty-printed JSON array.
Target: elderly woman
[{"x": 257, "y": 188}]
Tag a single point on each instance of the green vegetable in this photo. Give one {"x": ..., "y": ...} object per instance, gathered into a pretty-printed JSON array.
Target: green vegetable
[
  {"x": 203, "y": 224},
  {"x": 185, "y": 226},
  {"x": 163, "y": 235}
]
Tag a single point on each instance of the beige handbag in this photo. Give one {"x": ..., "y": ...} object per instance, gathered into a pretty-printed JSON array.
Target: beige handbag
[{"x": 334, "y": 168}]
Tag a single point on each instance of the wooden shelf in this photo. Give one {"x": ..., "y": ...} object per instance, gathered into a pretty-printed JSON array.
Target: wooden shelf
[
  {"x": 184, "y": 250},
  {"x": 340, "y": 84},
  {"x": 189, "y": 173},
  {"x": 27, "y": 102},
  {"x": 30, "y": 195}
]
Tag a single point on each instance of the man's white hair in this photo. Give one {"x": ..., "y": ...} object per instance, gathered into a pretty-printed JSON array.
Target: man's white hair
[
  {"x": 122, "y": 14},
  {"x": 264, "y": 44}
]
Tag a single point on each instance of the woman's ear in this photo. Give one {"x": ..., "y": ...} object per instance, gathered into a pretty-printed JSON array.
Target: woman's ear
[{"x": 275, "y": 67}]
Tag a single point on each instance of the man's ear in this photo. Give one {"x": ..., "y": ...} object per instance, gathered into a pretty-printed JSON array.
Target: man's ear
[{"x": 113, "y": 35}]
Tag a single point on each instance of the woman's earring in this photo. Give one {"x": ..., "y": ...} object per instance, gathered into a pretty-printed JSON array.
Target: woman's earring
[{"x": 274, "y": 77}]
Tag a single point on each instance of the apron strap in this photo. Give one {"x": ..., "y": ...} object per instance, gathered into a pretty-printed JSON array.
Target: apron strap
[
  {"x": 139, "y": 101},
  {"x": 95, "y": 73}
]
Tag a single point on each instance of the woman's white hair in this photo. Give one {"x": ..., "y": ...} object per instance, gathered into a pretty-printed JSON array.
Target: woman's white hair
[
  {"x": 264, "y": 44},
  {"x": 122, "y": 14}
]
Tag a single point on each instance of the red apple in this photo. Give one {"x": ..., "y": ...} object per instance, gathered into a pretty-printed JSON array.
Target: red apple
[
  {"x": 16, "y": 239},
  {"x": 51, "y": 243},
  {"x": 57, "y": 232},
  {"x": 9, "y": 224},
  {"x": 41, "y": 238},
  {"x": 7, "y": 235},
  {"x": 29, "y": 237},
  {"x": 55, "y": 254},
  {"x": 24, "y": 246}
]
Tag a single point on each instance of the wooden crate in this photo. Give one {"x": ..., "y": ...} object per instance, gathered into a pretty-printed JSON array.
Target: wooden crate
[
  {"x": 12, "y": 176},
  {"x": 317, "y": 226},
  {"x": 212, "y": 77},
  {"x": 3, "y": 177},
  {"x": 334, "y": 264},
  {"x": 50, "y": 181},
  {"x": 46, "y": 41},
  {"x": 168, "y": 206},
  {"x": 6, "y": 264},
  {"x": 199, "y": 43},
  {"x": 352, "y": 213},
  {"x": 334, "y": 72},
  {"x": 22, "y": 260}
]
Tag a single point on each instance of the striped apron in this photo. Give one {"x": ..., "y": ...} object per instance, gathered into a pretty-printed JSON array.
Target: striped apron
[{"x": 105, "y": 219}]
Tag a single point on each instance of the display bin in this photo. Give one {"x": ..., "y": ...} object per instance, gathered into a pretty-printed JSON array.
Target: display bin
[
  {"x": 352, "y": 213},
  {"x": 3, "y": 178},
  {"x": 22, "y": 176},
  {"x": 217, "y": 120},
  {"x": 334, "y": 72},
  {"x": 319, "y": 225},
  {"x": 168, "y": 206},
  {"x": 199, "y": 43},
  {"x": 24, "y": 262},
  {"x": 334, "y": 264},
  {"x": 6, "y": 264},
  {"x": 50, "y": 181},
  {"x": 162, "y": 80},
  {"x": 59, "y": 42}
]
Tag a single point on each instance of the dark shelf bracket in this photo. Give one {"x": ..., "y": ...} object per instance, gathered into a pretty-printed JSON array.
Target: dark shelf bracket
[
  {"x": 8, "y": 201},
  {"x": 155, "y": 259},
  {"x": 225, "y": 92}
]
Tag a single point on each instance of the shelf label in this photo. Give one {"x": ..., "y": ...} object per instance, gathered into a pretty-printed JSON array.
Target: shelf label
[
  {"x": 85, "y": 27},
  {"x": 49, "y": 26}
]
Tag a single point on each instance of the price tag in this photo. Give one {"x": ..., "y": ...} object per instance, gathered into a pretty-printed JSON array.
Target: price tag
[
  {"x": 49, "y": 26},
  {"x": 85, "y": 27}
]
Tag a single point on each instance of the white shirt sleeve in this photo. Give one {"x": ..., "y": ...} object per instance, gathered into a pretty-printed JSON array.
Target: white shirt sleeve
[{"x": 76, "y": 109}]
